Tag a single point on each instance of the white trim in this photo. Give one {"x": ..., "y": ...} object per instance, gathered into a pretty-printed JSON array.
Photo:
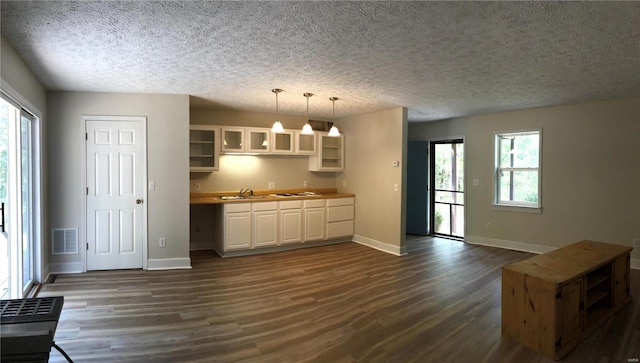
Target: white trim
[
  {"x": 145, "y": 242},
  {"x": 65, "y": 268},
  {"x": 169, "y": 264},
  {"x": 510, "y": 245},
  {"x": 380, "y": 246},
  {"x": 523, "y": 247}
]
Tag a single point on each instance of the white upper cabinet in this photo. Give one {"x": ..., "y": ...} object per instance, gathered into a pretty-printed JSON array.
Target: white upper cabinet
[
  {"x": 282, "y": 142},
  {"x": 204, "y": 148},
  {"x": 305, "y": 144},
  {"x": 330, "y": 156},
  {"x": 233, "y": 140},
  {"x": 258, "y": 141}
]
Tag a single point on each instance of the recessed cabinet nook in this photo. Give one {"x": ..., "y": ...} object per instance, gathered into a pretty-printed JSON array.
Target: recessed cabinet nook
[
  {"x": 552, "y": 301},
  {"x": 206, "y": 143}
]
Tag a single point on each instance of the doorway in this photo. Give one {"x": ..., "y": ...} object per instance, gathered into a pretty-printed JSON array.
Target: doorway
[
  {"x": 447, "y": 192},
  {"x": 116, "y": 192}
]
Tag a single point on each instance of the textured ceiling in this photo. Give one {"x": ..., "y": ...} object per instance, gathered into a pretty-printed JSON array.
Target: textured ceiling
[{"x": 439, "y": 59}]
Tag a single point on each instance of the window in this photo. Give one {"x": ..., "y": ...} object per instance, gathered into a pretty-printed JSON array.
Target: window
[{"x": 517, "y": 177}]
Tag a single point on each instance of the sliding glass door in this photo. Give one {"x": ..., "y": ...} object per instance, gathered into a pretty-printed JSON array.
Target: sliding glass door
[{"x": 16, "y": 196}]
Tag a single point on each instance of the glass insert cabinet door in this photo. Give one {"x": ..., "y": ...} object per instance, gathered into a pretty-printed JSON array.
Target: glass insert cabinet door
[
  {"x": 258, "y": 141},
  {"x": 233, "y": 139}
]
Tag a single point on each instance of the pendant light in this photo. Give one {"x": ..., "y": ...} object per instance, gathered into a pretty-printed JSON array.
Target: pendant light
[
  {"x": 306, "y": 129},
  {"x": 277, "y": 126},
  {"x": 334, "y": 130}
]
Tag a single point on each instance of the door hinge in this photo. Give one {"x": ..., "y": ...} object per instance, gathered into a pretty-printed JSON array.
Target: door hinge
[
  {"x": 87, "y": 191},
  {"x": 558, "y": 295},
  {"x": 87, "y": 246},
  {"x": 86, "y": 136}
]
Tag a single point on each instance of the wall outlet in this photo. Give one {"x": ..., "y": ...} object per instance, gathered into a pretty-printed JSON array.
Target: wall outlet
[
  {"x": 305, "y": 183},
  {"x": 162, "y": 242},
  {"x": 152, "y": 185},
  {"x": 196, "y": 186},
  {"x": 272, "y": 185},
  {"x": 636, "y": 243},
  {"x": 488, "y": 226}
]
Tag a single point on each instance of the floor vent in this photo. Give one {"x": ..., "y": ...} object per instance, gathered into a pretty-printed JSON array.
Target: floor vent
[{"x": 65, "y": 241}]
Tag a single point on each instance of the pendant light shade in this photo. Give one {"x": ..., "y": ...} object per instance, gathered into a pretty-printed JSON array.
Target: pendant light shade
[
  {"x": 333, "y": 131},
  {"x": 306, "y": 129},
  {"x": 277, "y": 126}
]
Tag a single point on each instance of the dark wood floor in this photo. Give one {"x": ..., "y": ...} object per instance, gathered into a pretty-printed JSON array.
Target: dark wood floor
[{"x": 340, "y": 303}]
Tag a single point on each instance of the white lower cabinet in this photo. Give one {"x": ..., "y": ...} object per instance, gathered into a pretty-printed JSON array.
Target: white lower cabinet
[
  {"x": 265, "y": 224},
  {"x": 340, "y": 217},
  {"x": 237, "y": 226},
  {"x": 256, "y": 225},
  {"x": 314, "y": 219},
  {"x": 290, "y": 221}
]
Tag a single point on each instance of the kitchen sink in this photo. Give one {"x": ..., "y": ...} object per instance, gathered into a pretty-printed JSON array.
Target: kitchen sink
[{"x": 233, "y": 197}]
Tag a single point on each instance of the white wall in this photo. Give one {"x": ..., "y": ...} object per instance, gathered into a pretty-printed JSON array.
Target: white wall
[
  {"x": 167, "y": 165},
  {"x": 590, "y": 174},
  {"x": 373, "y": 142}
]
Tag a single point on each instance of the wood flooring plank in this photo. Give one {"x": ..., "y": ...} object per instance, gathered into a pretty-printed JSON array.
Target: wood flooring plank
[{"x": 338, "y": 303}]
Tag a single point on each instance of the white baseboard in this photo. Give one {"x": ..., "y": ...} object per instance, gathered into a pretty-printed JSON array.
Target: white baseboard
[
  {"x": 381, "y": 246},
  {"x": 169, "y": 264},
  {"x": 524, "y": 247},
  {"x": 65, "y": 268}
]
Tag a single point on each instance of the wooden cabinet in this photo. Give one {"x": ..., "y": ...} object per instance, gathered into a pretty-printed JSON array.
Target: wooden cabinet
[
  {"x": 340, "y": 215},
  {"x": 258, "y": 141},
  {"x": 204, "y": 148},
  {"x": 237, "y": 226},
  {"x": 314, "y": 219},
  {"x": 233, "y": 140},
  {"x": 265, "y": 224},
  {"x": 290, "y": 221},
  {"x": 552, "y": 301},
  {"x": 282, "y": 142},
  {"x": 330, "y": 155}
]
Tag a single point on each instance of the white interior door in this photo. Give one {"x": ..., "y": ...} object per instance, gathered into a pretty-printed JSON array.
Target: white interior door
[{"x": 116, "y": 177}]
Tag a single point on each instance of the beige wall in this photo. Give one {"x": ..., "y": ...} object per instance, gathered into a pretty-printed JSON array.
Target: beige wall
[
  {"x": 255, "y": 172},
  {"x": 16, "y": 75},
  {"x": 167, "y": 163},
  {"x": 590, "y": 174},
  {"x": 373, "y": 142}
]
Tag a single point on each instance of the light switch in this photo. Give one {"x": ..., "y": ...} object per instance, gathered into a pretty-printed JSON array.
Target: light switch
[{"x": 152, "y": 185}]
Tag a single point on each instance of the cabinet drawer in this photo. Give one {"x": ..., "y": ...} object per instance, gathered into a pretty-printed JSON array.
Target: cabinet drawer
[
  {"x": 265, "y": 206},
  {"x": 339, "y": 201},
  {"x": 314, "y": 203},
  {"x": 342, "y": 213},
  {"x": 291, "y": 204},
  {"x": 340, "y": 229},
  {"x": 237, "y": 207}
]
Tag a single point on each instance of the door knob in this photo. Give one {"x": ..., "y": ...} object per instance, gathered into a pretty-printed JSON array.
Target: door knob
[{"x": 138, "y": 201}]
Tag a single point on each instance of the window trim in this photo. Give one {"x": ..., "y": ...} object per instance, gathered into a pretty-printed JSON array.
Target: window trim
[{"x": 509, "y": 205}]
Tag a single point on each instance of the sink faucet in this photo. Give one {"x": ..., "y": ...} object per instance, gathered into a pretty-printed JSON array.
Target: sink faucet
[{"x": 244, "y": 191}]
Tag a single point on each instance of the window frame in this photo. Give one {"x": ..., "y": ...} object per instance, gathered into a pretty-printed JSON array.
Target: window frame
[{"x": 516, "y": 205}]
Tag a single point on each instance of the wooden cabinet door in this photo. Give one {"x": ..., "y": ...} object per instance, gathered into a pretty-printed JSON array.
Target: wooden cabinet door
[
  {"x": 291, "y": 226},
  {"x": 237, "y": 231},
  {"x": 570, "y": 313},
  {"x": 265, "y": 228},
  {"x": 314, "y": 224},
  {"x": 620, "y": 279}
]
